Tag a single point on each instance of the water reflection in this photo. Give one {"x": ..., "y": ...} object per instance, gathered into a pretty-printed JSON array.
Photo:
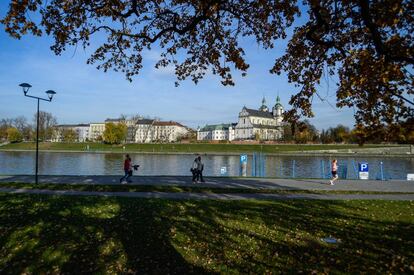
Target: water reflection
[{"x": 20, "y": 163}]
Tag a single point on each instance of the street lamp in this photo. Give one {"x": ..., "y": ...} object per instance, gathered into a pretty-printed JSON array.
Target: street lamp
[{"x": 50, "y": 94}]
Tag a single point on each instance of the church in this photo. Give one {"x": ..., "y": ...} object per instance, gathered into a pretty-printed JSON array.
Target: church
[{"x": 261, "y": 124}]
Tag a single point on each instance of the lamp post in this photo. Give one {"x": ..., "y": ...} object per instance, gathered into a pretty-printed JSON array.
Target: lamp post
[{"x": 50, "y": 93}]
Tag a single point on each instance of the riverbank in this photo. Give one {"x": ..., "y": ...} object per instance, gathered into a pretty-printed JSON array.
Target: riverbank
[{"x": 221, "y": 149}]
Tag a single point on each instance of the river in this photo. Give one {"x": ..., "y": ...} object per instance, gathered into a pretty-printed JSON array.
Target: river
[{"x": 67, "y": 163}]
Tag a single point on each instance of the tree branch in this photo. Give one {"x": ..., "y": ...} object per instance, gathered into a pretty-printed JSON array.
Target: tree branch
[{"x": 376, "y": 35}]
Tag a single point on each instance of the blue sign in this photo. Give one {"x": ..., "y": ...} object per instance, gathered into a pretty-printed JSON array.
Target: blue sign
[
  {"x": 363, "y": 167},
  {"x": 243, "y": 158}
]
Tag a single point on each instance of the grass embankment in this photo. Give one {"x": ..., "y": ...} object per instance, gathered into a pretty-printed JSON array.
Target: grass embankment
[
  {"x": 55, "y": 234},
  {"x": 176, "y": 189},
  {"x": 182, "y": 148}
]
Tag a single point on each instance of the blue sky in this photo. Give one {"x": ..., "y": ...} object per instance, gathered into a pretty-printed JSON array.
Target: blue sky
[{"x": 85, "y": 94}]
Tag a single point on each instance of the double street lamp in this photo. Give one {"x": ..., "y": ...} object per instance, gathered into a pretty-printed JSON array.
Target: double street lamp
[{"x": 50, "y": 93}]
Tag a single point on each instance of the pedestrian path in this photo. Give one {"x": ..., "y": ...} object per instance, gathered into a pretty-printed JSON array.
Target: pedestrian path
[
  {"x": 212, "y": 196},
  {"x": 399, "y": 186}
]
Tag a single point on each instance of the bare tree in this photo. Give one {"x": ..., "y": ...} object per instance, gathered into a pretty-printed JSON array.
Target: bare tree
[{"x": 47, "y": 122}]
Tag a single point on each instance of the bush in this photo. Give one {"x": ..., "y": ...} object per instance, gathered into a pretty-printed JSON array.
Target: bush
[{"x": 14, "y": 135}]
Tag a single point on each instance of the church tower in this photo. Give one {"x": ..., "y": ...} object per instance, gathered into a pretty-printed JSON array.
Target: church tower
[
  {"x": 263, "y": 108},
  {"x": 277, "y": 110}
]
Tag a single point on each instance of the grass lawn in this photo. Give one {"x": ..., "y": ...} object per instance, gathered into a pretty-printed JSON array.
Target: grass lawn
[
  {"x": 57, "y": 234},
  {"x": 176, "y": 189},
  {"x": 183, "y": 148}
]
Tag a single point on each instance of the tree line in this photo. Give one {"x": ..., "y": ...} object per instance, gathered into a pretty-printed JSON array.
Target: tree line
[
  {"x": 20, "y": 129},
  {"x": 305, "y": 132}
]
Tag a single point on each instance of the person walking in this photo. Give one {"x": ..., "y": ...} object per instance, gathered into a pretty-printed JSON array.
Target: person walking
[
  {"x": 334, "y": 171},
  {"x": 127, "y": 169},
  {"x": 194, "y": 170},
  {"x": 200, "y": 168}
]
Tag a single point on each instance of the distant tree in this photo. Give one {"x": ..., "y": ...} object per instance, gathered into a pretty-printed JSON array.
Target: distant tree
[
  {"x": 136, "y": 117},
  {"x": 326, "y": 136},
  {"x": 340, "y": 133},
  {"x": 20, "y": 123},
  {"x": 115, "y": 133},
  {"x": 408, "y": 131},
  {"x": 14, "y": 135},
  {"x": 24, "y": 127},
  {"x": 402, "y": 132},
  {"x": 47, "y": 123},
  {"x": 109, "y": 135},
  {"x": 123, "y": 117},
  {"x": 69, "y": 135},
  {"x": 122, "y": 132},
  {"x": 5, "y": 124},
  {"x": 305, "y": 132},
  {"x": 190, "y": 136},
  {"x": 287, "y": 132}
]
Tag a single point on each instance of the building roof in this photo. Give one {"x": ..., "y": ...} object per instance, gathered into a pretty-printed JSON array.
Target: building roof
[
  {"x": 114, "y": 120},
  {"x": 72, "y": 125},
  {"x": 145, "y": 121},
  {"x": 258, "y": 113},
  {"x": 167, "y": 123},
  {"x": 278, "y": 104},
  {"x": 215, "y": 127}
]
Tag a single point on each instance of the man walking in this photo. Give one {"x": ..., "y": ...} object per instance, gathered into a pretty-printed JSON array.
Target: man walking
[
  {"x": 200, "y": 168},
  {"x": 194, "y": 170}
]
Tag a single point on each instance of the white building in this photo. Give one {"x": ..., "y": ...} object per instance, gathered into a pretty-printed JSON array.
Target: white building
[
  {"x": 168, "y": 131},
  {"x": 216, "y": 132},
  {"x": 144, "y": 132},
  {"x": 81, "y": 130},
  {"x": 96, "y": 131},
  {"x": 149, "y": 130},
  {"x": 260, "y": 124}
]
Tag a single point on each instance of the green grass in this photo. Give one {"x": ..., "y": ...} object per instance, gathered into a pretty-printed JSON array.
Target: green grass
[
  {"x": 182, "y": 148},
  {"x": 176, "y": 189},
  {"x": 57, "y": 234}
]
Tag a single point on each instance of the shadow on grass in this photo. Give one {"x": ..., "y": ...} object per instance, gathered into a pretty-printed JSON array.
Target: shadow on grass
[{"x": 118, "y": 235}]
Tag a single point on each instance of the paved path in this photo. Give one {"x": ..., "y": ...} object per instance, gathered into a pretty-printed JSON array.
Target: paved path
[
  {"x": 225, "y": 182},
  {"x": 202, "y": 196}
]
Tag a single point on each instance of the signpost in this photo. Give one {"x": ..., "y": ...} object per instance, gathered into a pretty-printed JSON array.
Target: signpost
[
  {"x": 243, "y": 165},
  {"x": 363, "y": 171},
  {"x": 223, "y": 171}
]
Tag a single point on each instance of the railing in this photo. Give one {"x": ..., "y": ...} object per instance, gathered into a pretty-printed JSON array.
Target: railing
[{"x": 347, "y": 169}]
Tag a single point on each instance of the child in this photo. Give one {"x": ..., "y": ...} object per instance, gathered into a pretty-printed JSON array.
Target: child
[{"x": 334, "y": 171}]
